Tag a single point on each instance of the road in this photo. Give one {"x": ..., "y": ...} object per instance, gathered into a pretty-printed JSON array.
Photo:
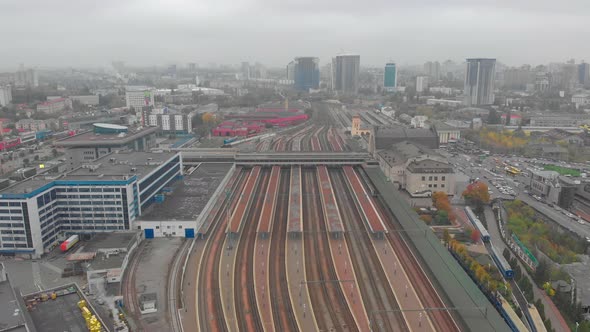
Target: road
[{"x": 518, "y": 183}]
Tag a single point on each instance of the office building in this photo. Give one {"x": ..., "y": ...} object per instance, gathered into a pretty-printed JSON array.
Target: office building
[
  {"x": 432, "y": 70},
  {"x": 26, "y": 77},
  {"x": 390, "y": 77},
  {"x": 345, "y": 73},
  {"x": 104, "y": 196},
  {"x": 307, "y": 73},
  {"x": 479, "y": 81},
  {"x": 5, "y": 95},
  {"x": 421, "y": 83},
  {"x": 105, "y": 139},
  {"x": 31, "y": 125},
  {"x": 291, "y": 71}
]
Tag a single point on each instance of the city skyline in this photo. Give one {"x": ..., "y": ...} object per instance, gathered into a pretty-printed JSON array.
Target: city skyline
[{"x": 149, "y": 32}]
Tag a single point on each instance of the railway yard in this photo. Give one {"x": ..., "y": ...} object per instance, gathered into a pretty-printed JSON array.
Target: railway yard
[{"x": 301, "y": 248}]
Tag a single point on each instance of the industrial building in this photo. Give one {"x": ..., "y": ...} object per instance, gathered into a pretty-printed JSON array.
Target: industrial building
[
  {"x": 104, "y": 139},
  {"x": 102, "y": 196}
]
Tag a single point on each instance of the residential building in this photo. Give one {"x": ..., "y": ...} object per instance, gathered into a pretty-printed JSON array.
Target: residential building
[
  {"x": 192, "y": 67},
  {"x": 105, "y": 139},
  {"x": 444, "y": 90},
  {"x": 479, "y": 82},
  {"x": 26, "y": 77},
  {"x": 307, "y": 73},
  {"x": 345, "y": 73},
  {"x": 53, "y": 106},
  {"x": 31, "y": 125},
  {"x": 417, "y": 169},
  {"x": 518, "y": 78},
  {"x": 432, "y": 70},
  {"x": 390, "y": 77},
  {"x": 5, "y": 95},
  {"x": 104, "y": 196},
  {"x": 421, "y": 83},
  {"x": 171, "y": 122},
  {"x": 137, "y": 97}
]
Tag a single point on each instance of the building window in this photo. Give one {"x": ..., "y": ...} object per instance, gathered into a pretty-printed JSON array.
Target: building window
[
  {"x": 435, "y": 185},
  {"x": 436, "y": 178},
  {"x": 442, "y": 185},
  {"x": 423, "y": 178},
  {"x": 430, "y": 178},
  {"x": 157, "y": 227},
  {"x": 443, "y": 178},
  {"x": 430, "y": 186}
]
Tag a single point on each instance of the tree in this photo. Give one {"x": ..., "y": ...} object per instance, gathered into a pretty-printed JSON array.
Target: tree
[
  {"x": 208, "y": 118},
  {"x": 26, "y": 162},
  {"x": 477, "y": 194},
  {"x": 493, "y": 117},
  {"x": 54, "y": 153}
]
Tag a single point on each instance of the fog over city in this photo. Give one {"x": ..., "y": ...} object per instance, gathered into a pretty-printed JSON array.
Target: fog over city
[{"x": 81, "y": 33}]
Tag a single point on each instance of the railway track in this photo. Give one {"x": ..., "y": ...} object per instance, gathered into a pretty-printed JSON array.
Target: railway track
[
  {"x": 129, "y": 293},
  {"x": 322, "y": 280},
  {"x": 282, "y": 309},
  {"x": 377, "y": 294},
  {"x": 210, "y": 315},
  {"x": 441, "y": 319},
  {"x": 244, "y": 292}
]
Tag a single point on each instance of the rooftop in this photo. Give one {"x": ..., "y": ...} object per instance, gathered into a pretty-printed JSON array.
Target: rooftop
[
  {"x": 190, "y": 195},
  {"x": 115, "y": 240},
  {"x": 114, "y": 166},
  {"x": 90, "y": 138},
  {"x": 11, "y": 317}
]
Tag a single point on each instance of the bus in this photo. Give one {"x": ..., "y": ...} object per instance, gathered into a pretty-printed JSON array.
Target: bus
[{"x": 512, "y": 170}]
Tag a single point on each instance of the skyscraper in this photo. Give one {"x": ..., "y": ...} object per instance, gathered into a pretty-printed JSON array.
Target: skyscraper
[
  {"x": 26, "y": 77},
  {"x": 245, "y": 70},
  {"x": 421, "y": 83},
  {"x": 390, "y": 77},
  {"x": 307, "y": 73},
  {"x": 345, "y": 73},
  {"x": 291, "y": 71},
  {"x": 584, "y": 73},
  {"x": 432, "y": 70},
  {"x": 479, "y": 81}
]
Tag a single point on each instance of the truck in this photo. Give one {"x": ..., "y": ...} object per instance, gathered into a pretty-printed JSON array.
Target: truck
[{"x": 69, "y": 243}]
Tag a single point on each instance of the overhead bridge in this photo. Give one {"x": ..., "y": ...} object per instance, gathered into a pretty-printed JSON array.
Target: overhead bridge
[{"x": 302, "y": 158}]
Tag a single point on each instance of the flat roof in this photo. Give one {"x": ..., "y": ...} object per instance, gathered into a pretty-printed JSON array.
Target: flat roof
[
  {"x": 61, "y": 314},
  {"x": 114, "y": 240},
  {"x": 10, "y": 315},
  {"x": 109, "y": 126},
  {"x": 89, "y": 138},
  {"x": 190, "y": 195},
  {"x": 115, "y": 166}
]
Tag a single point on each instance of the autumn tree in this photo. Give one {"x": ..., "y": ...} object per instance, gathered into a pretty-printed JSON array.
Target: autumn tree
[
  {"x": 446, "y": 236},
  {"x": 475, "y": 236},
  {"x": 477, "y": 194},
  {"x": 208, "y": 118},
  {"x": 440, "y": 200}
]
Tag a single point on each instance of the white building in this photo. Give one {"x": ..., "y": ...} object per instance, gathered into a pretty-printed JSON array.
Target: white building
[
  {"x": 444, "y": 102},
  {"x": 419, "y": 121},
  {"x": 138, "y": 97},
  {"x": 581, "y": 99},
  {"x": 421, "y": 83},
  {"x": 27, "y": 137},
  {"x": 5, "y": 95},
  {"x": 171, "y": 121},
  {"x": 26, "y": 77},
  {"x": 31, "y": 125}
]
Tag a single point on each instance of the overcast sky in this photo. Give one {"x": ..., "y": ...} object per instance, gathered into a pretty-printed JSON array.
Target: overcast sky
[{"x": 95, "y": 32}]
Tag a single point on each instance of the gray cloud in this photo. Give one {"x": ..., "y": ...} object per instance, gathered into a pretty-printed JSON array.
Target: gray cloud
[{"x": 84, "y": 32}]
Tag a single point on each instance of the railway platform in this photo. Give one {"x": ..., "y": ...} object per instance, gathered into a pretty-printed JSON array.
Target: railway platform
[
  {"x": 299, "y": 293},
  {"x": 261, "y": 282}
]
